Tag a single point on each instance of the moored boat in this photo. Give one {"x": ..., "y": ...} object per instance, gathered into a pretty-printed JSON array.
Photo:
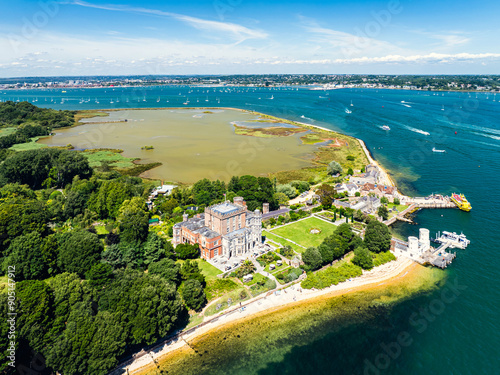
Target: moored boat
[{"x": 461, "y": 202}]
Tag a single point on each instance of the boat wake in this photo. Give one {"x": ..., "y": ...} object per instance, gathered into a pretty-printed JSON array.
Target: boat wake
[
  {"x": 488, "y": 136},
  {"x": 417, "y": 130},
  {"x": 307, "y": 118}
]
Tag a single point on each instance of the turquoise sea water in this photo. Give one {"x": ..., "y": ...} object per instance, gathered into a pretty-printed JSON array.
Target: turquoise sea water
[{"x": 460, "y": 336}]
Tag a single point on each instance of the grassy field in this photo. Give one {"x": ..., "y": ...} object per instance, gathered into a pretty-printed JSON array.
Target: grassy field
[
  {"x": 194, "y": 320},
  {"x": 266, "y": 132},
  {"x": 28, "y": 146},
  {"x": 6, "y": 131},
  {"x": 299, "y": 231},
  {"x": 236, "y": 297},
  {"x": 88, "y": 114},
  {"x": 114, "y": 158},
  {"x": 312, "y": 174},
  {"x": 282, "y": 241},
  {"x": 218, "y": 287}
]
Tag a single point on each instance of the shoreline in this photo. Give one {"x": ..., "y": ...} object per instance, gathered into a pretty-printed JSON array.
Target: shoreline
[{"x": 260, "y": 305}]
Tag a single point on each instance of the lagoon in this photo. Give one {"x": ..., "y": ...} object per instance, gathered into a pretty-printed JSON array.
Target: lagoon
[{"x": 191, "y": 144}]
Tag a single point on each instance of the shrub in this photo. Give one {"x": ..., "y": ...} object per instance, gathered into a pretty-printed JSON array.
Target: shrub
[
  {"x": 363, "y": 258},
  {"x": 331, "y": 276}
]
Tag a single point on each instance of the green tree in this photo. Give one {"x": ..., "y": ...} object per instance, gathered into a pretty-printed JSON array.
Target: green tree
[
  {"x": 100, "y": 339},
  {"x": 21, "y": 216},
  {"x": 167, "y": 269},
  {"x": 396, "y": 201},
  {"x": 168, "y": 206},
  {"x": 337, "y": 245},
  {"x": 350, "y": 172},
  {"x": 281, "y": 198},
  {"x": 134, "y": 221},
  {"x": 288, "y": 190},
  {"x": 363, "y": 258},
  {"x": 148, "y": 306},
  {"x": 99, "y": 275},
  {"x": 384, "y": 200},
  {"x": 193, "y": 294},
  {"x": 326, "y": 194},
  {"x": 383, "y": 212},
  {"x": 377, "y": 237},
  {"x": 344, "y": 230},
  {"x": 191, "y": 270},
  {"x": 187, "y": 251},
  {"x": 312, "y": 258},
  {"x": 155, "y": 248},
  {"x": 334, "y": 168},
  {"x": 34, "y": 167},
  {"x": 35, "y": 303},
  {"x": 79, "y": 250},
  {"x": 25, "y": 253}
]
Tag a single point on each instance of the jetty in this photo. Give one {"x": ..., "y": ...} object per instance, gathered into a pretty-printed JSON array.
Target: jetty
[
  {"x": 432, "y": 201},
  {"x": 420, "y": 250}
]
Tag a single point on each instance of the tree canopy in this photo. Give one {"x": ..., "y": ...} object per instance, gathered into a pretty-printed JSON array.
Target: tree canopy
[
  {"x": 334, "y": 168},
  {"x": 79, "y": 250},
  {"x": 377, "y": 237},
  {"x": 46, "y": 167}
]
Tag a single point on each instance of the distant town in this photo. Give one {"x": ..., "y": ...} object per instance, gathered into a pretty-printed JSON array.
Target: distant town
[{"x": 485, "y": 83}]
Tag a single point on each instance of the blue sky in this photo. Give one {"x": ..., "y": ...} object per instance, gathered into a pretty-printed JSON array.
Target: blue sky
[{"x": 92, "y": 37}]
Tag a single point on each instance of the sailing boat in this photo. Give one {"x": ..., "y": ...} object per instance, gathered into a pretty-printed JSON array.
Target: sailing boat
[{"x": 352, "y": 105}]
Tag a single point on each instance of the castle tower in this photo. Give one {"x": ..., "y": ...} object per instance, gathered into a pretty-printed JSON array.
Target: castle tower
[
  {"x": 413, "y": 246},
  {"x": 425, "y": 242}
]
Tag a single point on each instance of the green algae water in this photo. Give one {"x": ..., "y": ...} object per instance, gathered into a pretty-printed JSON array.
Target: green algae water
[
  {"x": 465, "y": 336},
  {"x": 310, "y": 337}
]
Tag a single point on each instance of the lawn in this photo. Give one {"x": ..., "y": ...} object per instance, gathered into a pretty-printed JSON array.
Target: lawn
[
  {"x": 101, "y": 229},
  {"x": 277, "y": 269},
  {"x": 194, "y": 320},
  {"x": 206, "y": 268},
  {"x": 256, "y": 278},
  {"x": 282, "y": 241},
  {"x": 218, "y": 287},
  {"x": 300, "y": 231},
  {"x": 236, "y": 297}
]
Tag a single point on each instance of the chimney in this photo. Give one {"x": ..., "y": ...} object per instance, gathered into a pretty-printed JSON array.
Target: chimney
[
  {"x": 185, "y": 217},
  {"x": 265, "y": 208},
  {"x": 239, "y": 201}
]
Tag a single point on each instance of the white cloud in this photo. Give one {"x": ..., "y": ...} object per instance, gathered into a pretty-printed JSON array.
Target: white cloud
[
  {"x": 431, "y": 58},
  {"x": 238, "y": 32},
  {"x": 348, "y": 44}
]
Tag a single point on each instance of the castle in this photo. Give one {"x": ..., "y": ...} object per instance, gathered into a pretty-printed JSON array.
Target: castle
[{"x": 225, "y": 229}]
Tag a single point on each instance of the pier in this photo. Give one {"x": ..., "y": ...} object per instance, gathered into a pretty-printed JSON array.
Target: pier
[
  {"x": 420, "y": 250},
  {"x": 432, "y": 201}
]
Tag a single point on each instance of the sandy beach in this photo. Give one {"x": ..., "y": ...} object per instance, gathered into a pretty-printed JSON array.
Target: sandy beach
[{"x": 267, "y": 304}]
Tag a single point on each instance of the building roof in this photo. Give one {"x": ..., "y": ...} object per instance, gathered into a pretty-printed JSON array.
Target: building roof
[
  {"x": 236, "y": 233},
  {"x": 225, "y": 208},
  {"x": 270, "y": 214}
]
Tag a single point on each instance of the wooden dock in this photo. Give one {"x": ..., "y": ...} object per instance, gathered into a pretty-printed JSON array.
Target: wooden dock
[{"x": 439, "y": 257}]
